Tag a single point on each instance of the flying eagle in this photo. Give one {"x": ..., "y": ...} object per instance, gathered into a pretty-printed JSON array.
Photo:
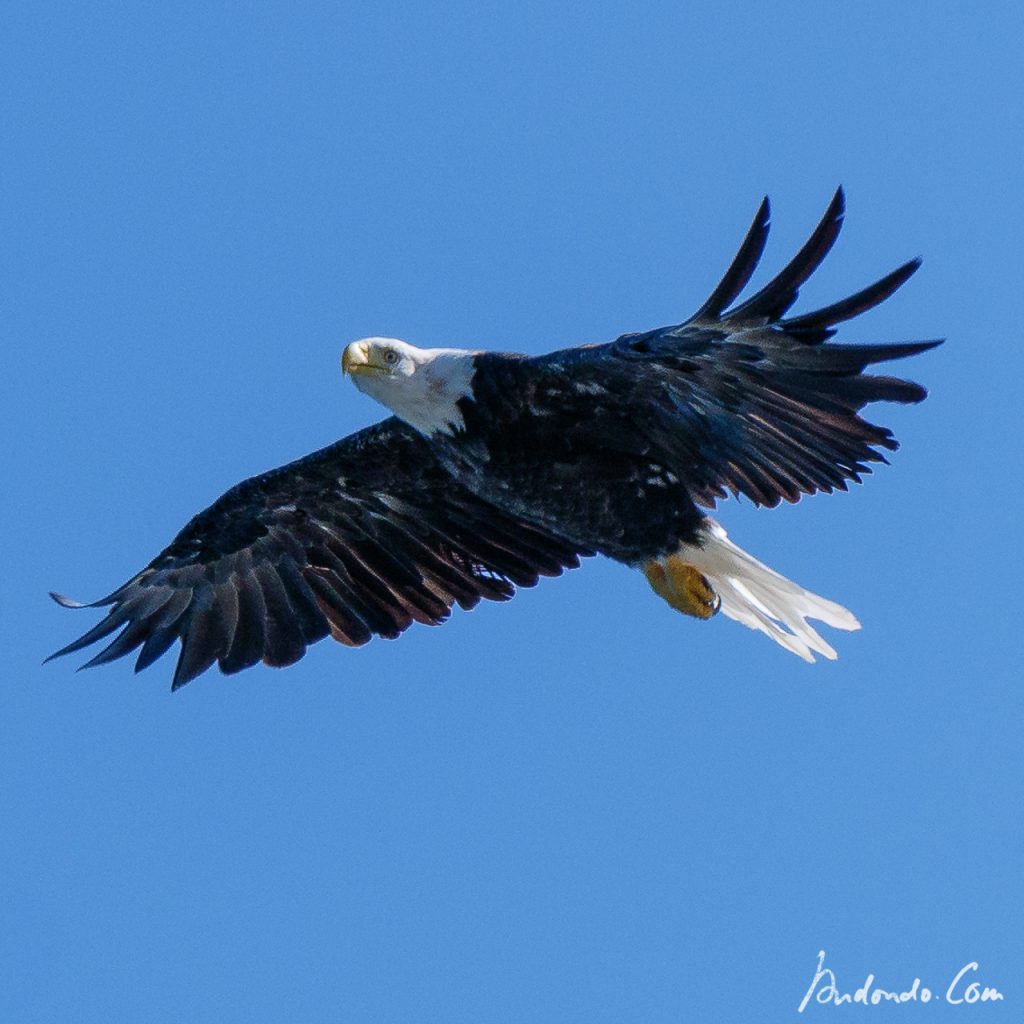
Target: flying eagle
[{"x": 497, "y": 468}]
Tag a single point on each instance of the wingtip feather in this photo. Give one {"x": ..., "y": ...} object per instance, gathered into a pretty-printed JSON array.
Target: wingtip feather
[{"x": 742, "y": 267}]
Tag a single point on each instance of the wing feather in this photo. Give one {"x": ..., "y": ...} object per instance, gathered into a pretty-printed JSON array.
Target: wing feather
[
  {"x": 250, "y": 637},
  {"x": 817, "y": 325},
  {"x": 737, "y": 277}
]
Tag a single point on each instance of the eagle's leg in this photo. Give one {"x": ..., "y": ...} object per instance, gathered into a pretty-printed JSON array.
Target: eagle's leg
[{"x": 684, "y": 587}]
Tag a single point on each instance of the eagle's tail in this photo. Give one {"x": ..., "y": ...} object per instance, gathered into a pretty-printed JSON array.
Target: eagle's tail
[{"x": 714, "y": 574}]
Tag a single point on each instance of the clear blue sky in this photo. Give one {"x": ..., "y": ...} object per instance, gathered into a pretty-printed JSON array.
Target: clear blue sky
[{"x": 577, "y": 807}]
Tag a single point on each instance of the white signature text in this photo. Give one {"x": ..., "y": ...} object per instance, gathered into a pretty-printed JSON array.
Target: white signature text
[{"x": 963, "y": 989}]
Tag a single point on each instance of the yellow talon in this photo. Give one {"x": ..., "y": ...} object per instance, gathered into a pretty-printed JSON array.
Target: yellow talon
[{"x": 682, "y": 586}]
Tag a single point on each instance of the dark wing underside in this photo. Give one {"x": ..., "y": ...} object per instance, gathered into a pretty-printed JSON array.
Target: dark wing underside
[
  {"x": 364, "y": 537},
  {"x": 741, "y": 400}
]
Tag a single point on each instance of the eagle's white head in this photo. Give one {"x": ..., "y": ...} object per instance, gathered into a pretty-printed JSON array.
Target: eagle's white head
[{"x": 419, "y": 385}]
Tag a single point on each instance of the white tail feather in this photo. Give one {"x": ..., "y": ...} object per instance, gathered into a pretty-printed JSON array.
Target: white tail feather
[{"x": 760, "y": 598}]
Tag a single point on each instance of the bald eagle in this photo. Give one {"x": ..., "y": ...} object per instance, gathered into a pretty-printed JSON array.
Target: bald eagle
[{"x": 497, "y": 469}]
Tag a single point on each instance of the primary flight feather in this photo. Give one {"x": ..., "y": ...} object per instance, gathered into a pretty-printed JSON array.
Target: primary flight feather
[{"x": 497, "y": 469}]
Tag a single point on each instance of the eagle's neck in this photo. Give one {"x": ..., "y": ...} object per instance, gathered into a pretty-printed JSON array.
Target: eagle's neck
[{"x": 428, "y": 399}]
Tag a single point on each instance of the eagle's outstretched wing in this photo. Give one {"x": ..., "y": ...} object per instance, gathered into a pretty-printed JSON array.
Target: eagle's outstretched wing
[
  {"x": 363, "y": 537},
  {"x": 741, "y": 400}
]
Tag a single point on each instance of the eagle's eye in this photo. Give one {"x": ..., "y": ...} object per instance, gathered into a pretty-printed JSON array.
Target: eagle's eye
[{"x": 390, "y": 356}]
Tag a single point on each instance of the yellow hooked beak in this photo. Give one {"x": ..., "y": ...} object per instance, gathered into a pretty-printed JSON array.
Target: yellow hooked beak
[{"x": 355, "y": 358}]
